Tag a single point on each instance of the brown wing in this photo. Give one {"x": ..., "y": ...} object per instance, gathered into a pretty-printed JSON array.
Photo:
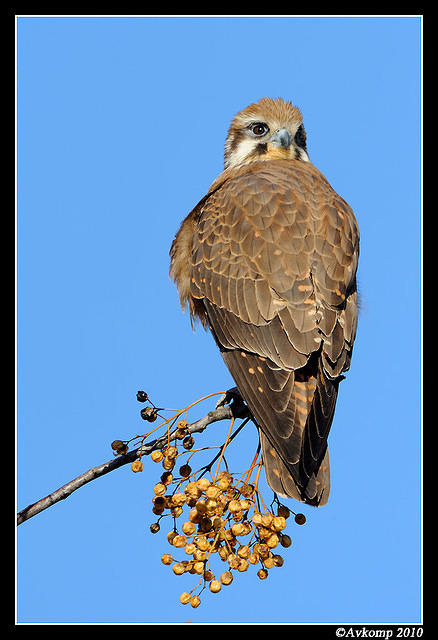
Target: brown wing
[{"x": 274, "y": 258}]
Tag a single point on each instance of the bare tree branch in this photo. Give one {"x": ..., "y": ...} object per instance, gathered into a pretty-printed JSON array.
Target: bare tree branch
[{"x": 223, "y": 412}]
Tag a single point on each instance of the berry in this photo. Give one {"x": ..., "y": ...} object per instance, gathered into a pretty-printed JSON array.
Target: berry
[
  {"x": 215, "y": 586},
  {"x": 198, "y": 567},
  {"x": 202, "y": 543},
  {"x": 243, "y": 565},
  {"x": 137, "y": 466},
  {"x": 190, "y": 549},
  {"x": 244, "y": 551},
  {"x": 188, "y": 442},
  {"x": 157, "y": 455},
  {"x": 285, "y": 541},
  {"x": 272, "y": 541},
  {"x": 184, "y": 597},
  {"x": 227, "y": 577},
  {"x": 179, "y": 541},
  {"x": 279, "y": 523},
  {"x": 199, "y": 555},
  {"x": 170, "y": 452},
  {"x": 176, "y": 511},
  {"x": 166, "y": 477},
  {"x": 178, "y": 568},
  {"x": 170, "y": 536},
  {"x": 160, "y": 489},
  {"x": 149, "y": 414},
  {"x": 203, "y": 484},
  {"x": 233, "y": 561},
  {"x": 234, "y": 506},
  {"x": 267, "y": 520},
  {"x": 283, "y": 511},
  {"x": 212, "y": 491},
  {"x": 223, "y": 483},
  {"x": 238, "y": 529},
  {"x": 185, "y": 471},
  {"x": 188, "y": 528},
  {"x": 263, "y": 550},
  {"x": 278, "y": 560},
  {"x": 142, "y": 396},
  {"x": 117, "y": 445},
  {"x": 300, "y": 518},
  {"x": 168, "y": 463},
  {"x": 201, "y": 507},
  {"x": 269, "y": 562},
  {"x": 247, "y": 490},
  {"x": 178, "y": 499}
]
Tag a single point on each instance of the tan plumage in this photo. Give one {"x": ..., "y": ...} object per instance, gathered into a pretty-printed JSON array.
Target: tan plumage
[{"x": 267, "y": 260}]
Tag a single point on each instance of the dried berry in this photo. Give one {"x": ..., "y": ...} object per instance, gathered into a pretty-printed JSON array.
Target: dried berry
[
  {"x": 227, "y": 577},
  {"x": 142, "y": 396},
  {"x": 188, "y": 442},
  {"x": 283, "y": 511},
  {"x": 117, "y": 445},
  {"x": 195, "y": 601},
  {"x": 160, "y": 489},
  {"x": 168, "y": 463},
  {"x": 179, "y": 541},
  {"x": 188, "y": 528},
  {"x": 185, "y": 597},
  {"x": 285, "y": 541},
  {"x": 279, "y": 523},
  {"x": 203, "y": 484},
  {"x": 149, "y": 414},
  {"x": 215, "y": 586},
  {"x": 278, "y": 560},
  {"x": 185, "y": 470},
  {"x": 170, "y": 452},
  {"x": 178, "y": 568},
  {"x": 157, "y": 455},
  {"x": 166, "y": 558},
  {"x": 166, "y": 477}
]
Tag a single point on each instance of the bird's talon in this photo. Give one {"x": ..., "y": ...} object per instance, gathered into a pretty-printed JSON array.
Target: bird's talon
[{"x": 228, "y": 397}]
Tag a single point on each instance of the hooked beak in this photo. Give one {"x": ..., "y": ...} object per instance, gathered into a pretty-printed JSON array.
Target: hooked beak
[{"x": 281, "y": 138}]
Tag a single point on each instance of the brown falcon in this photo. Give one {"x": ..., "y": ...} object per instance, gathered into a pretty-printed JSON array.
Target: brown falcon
[{"x": 267, "y": 260}]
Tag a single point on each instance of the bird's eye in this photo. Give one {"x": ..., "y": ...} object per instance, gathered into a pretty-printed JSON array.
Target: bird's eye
[{"x": 259, "y": 128}]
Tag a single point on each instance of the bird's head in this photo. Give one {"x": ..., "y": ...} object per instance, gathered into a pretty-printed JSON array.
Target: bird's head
[{"x": 265, "y": 130}]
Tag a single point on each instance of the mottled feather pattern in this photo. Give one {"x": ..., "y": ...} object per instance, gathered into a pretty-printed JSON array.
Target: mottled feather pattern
[{"x": 273, "y": 259}]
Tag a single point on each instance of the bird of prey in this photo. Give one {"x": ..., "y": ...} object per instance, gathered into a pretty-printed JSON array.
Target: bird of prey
[{"x": 267, "y": 261}]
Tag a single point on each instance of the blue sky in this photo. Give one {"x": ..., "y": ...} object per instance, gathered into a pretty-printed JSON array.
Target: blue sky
[{"x": 120, "y": 130}]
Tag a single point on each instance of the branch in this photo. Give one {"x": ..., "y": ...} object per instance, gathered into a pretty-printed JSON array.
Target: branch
[{"x": 223, "y": 412}]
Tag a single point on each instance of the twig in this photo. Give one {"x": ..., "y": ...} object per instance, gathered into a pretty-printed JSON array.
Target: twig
[{"x": 223, "y": 412}]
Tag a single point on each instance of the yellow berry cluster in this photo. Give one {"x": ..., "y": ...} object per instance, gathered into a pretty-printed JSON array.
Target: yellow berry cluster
[
  {"x": 226, "y": 528},
  {"x": 222, "y": 520}
]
